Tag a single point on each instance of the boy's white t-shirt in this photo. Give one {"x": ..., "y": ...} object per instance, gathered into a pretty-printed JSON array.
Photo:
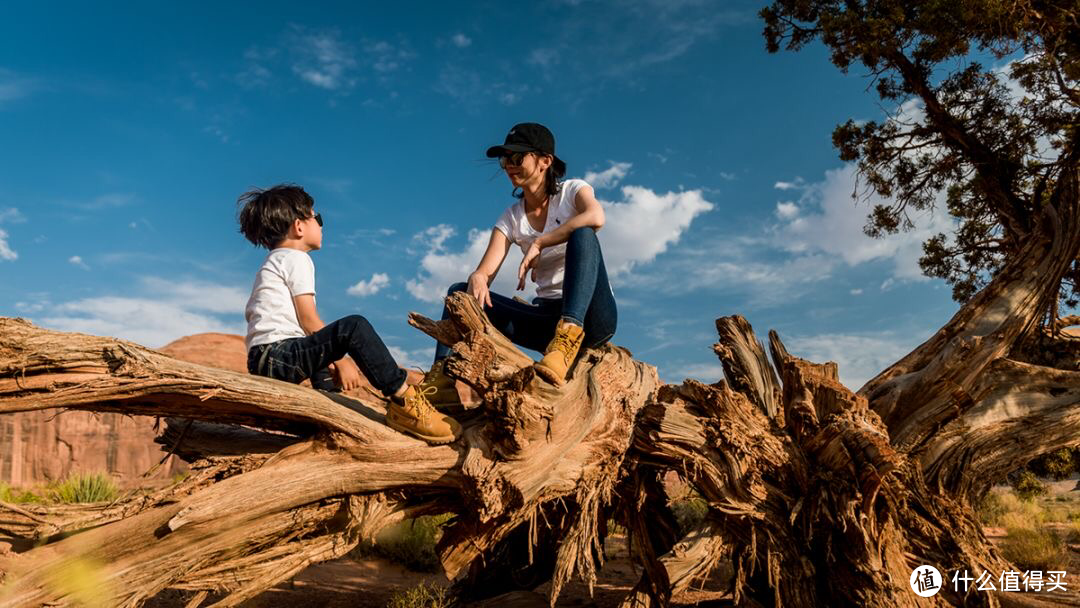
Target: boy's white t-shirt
[
  {"x": 552, "y": 260},
  {"x": 270, "y": 312}
]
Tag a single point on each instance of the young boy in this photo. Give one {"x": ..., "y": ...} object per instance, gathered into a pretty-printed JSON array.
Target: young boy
[{"x": 288, "y": 341}]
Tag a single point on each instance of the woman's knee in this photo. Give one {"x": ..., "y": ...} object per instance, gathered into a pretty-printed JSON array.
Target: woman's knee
[{"x": 583, "y": 235}]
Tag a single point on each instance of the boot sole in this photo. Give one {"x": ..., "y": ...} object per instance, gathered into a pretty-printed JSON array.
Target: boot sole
[
  {"x": 548, "y": 374},
  {"x": 428, "y": 438}
]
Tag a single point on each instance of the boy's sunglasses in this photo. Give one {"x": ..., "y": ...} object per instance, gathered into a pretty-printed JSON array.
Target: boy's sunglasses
[
  {"x": 512, "y": 160},
  {"x": 318, "y": 219}
]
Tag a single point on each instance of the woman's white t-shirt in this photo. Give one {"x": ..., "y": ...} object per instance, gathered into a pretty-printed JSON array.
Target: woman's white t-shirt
[
  {"x": 270, "y": 311},
  {"x": 552, "y": 260}
]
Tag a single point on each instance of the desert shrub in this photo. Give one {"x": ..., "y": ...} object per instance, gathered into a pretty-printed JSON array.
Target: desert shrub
[
  {"x": 15, "y": 495},
  {"x": 84, "y": 487},
  {"x": 420, "y": 596},
  {"x": 410, "y": 543},
  {"x": 1009, "y": 510},
  {"x": 1027, "y": 485},
  {"x": 689, "y": 511},
  {"x": 1033, "y": 549}
]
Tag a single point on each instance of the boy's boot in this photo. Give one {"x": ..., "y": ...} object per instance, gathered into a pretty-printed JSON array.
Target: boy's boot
[
  {"x": 560, "y": 353},
  {"x": 412, "y": 413},
  {"x": 445, "y": 393}
]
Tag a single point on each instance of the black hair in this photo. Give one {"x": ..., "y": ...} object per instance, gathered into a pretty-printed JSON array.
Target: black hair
[
  {"x": 552, "y": 179},
  {"x": 265, "y": 216}
]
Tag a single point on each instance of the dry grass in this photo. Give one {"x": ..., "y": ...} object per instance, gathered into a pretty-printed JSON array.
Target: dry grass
[
  {"x": 410, "y": 543},
  {"x": 1035, "y": 537},
  {"x": 420, "y": 596},
  {"x": 1033, "y": 549}
]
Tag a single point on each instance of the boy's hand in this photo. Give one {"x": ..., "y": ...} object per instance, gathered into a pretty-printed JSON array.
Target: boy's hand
[{"x": 346, "y": 374}]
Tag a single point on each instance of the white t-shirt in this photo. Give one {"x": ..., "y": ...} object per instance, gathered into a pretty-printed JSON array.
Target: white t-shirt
[
  {"x": 552, "y": 260},
  {"x": 270, "y": 312}
]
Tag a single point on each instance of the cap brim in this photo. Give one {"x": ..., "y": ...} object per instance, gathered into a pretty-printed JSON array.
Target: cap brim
[{"x": 496, "y": 151}]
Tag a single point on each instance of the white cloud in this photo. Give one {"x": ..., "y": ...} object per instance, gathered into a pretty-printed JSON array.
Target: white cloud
[
  {"x": 323, "y": 59},
  {"x": 13, "y": 86},
  {"x": 78, "y": 261},
  {"x": 384, "y": 57},
  {"x": 608, "y": 178},
  {"x": 638, "y": 228},
  {"x": 439, "y": 269},
  {"x": 370, "y": 287},
  {"x": 786, "y": 210},
  {"x": 11, "y": 216},
  {"x": 797, "y": 184},
  {"x": 6, "y": 252},
  {"x": 412, "y": 359},
  {"x": 473, "y": 89},
  {"x": 859, "y": 356},
  {"x": 460, "y": 40},
  {"x": 708, "y": 373},
  {"x": 165, "y": 311},
  {"x": 544, "y": 57},
  {"x": 826, "y": 220},
  {"x": 645, "y": 223}
]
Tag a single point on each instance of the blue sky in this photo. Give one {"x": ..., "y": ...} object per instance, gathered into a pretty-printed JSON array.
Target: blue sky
[{"x": 129, "y": 132}]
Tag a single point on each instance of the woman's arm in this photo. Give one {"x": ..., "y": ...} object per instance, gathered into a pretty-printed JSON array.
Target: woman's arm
[
  {"x": 489, "y": 266},
  {"x": 590, "y": 214}
]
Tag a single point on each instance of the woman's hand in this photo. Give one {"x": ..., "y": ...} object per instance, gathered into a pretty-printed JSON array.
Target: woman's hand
[
  {"x": 478, "y": 287},
  {"x": 529, "y": 261}
]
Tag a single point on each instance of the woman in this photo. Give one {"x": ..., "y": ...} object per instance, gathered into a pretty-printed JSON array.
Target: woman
[{"x": 554, "y": 223}]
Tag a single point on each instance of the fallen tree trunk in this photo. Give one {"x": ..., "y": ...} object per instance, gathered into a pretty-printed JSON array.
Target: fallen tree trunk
[
  {"x": 320, "y": 473},
  {"x": 811, "y": 493}
]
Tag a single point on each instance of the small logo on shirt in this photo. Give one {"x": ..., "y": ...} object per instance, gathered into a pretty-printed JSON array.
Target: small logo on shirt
[{"x": 557, "y": 221}]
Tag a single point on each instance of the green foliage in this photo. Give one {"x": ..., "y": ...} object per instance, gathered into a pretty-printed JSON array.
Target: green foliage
[
  {"x": 1034, "y": 549},
  {"x": 991, "y": 142},
  {"x": 410, "y": 543},
  {"x": 84, "y": 488},
  {"x": 1027, "y": 485},
  {"x": 1059, "y": 464},
  {"x": 15, "y": 495},
  {"x": 689, "y": 511},
  {"x": 420, "y": 596}
]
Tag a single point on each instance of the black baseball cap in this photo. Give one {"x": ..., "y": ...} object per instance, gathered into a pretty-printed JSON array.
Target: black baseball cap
[{"x": 529, "y": 137}]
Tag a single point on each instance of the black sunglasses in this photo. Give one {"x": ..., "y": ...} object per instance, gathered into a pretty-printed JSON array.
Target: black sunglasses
[
  {"x": 512, "y": 160},
  {"x": 318, "y": 219}
]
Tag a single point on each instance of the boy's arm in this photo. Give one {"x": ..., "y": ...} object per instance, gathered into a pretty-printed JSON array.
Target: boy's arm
[
  {"x": 306, "y": 314},
  {"x": 345, "y": 371}
]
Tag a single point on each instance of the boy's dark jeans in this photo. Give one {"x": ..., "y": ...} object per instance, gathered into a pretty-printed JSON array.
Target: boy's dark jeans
[
  {"x": 296, "y": 359},
  {"x": 587, "y": 301}
]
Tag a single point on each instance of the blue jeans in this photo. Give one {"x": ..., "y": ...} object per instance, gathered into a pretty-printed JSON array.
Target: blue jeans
[
  {"x": 587, "y": 301},
  {"x": 296, "y": 359}
]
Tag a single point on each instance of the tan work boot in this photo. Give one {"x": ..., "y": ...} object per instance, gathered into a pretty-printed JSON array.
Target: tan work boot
[
  {"x": 412, "y": 413},
  {"x": 560, "y": 353},
  {"x": 446, "y": 393}
]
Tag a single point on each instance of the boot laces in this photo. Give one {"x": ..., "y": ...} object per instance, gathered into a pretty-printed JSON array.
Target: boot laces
[
  {"x": 420, "y": 403},
  {"x": 564, "y": 343}
]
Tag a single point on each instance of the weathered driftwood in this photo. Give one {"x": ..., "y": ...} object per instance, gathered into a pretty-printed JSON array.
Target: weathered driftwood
[{"x": 818, "y": 495}]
